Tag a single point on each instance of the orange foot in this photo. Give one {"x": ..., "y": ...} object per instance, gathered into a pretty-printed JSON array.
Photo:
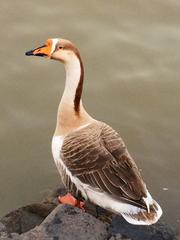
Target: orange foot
[{"x": 69, "y": 199}]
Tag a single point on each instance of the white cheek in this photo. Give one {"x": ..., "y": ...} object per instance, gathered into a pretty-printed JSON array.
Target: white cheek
[
  {"x": 62, "y": 55},
  {"x": 58, "y": 55}
]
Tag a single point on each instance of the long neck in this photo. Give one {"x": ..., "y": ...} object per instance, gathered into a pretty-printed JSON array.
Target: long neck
[
  {"x": 74, "y": 83},
  {"x": 71, "y": 113}
]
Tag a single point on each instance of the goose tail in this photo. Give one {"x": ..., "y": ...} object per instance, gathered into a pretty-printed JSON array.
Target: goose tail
[{"x": 148, "y": 216}]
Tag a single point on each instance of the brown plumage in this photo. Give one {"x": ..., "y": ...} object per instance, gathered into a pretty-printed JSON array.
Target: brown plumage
[{"x": 97, "y": 155}]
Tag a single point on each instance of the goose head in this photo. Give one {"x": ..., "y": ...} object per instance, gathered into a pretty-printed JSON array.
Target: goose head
[
  {"x": 58, "y": 49},
  {"x": 65, "y": 51}
]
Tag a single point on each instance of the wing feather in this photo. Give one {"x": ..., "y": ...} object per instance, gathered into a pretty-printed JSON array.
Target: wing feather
[{"x": 98, "y": 156}]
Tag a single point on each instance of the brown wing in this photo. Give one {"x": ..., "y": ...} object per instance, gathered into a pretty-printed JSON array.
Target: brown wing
[{"x": 97, "y": 155}]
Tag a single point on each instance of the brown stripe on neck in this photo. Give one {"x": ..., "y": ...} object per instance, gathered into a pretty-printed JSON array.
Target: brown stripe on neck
[{"x": 79, "y": 88}]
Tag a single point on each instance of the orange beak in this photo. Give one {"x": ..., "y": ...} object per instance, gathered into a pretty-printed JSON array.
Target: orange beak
[{"x": 43, "y": 51}]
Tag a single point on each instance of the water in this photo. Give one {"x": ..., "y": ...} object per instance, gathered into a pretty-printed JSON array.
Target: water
[{"x": 131, "y": 55}]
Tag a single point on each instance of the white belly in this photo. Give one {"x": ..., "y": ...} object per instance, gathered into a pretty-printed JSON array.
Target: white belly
[
  {"x": 56, "y": 146},
  {"x": 57, "y": 143}
]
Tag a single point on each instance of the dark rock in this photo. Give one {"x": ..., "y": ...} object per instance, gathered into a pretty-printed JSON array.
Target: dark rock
[
  {"x": 118, "y": 237},
  {"x": 69, "y": 223},
  {"x": 158, "y": 231},
  {"x": 26, "y": 218},
  {"x": 50, "y": 221},
  {"x": 53, "y": 194}
]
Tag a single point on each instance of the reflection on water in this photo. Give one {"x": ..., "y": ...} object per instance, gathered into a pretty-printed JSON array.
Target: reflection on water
[{"x": 131, "y": 56}]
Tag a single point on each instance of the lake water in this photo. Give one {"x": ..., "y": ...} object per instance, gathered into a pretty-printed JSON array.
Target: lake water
[{"x": 131, "y": 53}]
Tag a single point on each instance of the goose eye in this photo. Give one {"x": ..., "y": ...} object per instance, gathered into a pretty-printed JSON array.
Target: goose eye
[{"x": 61, "y": 47}]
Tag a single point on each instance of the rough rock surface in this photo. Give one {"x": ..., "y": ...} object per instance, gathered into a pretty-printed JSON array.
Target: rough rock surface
[
  {"x": 67, "y": 222},
  {"x": 50, "y": 221},
  {"x": 63, "y": 223},
  {"x": 158, "y": 231}
]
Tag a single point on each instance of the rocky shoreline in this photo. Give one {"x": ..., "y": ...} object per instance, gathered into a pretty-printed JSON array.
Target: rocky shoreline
[{"x": 49, "y": 220}]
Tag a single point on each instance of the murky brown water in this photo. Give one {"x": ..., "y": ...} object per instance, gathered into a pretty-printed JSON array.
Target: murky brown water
[{"x": 131, "y": 52}]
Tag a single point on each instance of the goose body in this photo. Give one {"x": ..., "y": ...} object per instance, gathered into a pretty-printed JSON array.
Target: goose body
[{"x": 90, "y": 156}]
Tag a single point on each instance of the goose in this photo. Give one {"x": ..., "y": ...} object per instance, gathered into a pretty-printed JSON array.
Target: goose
[{"x": 91, "y": 157}]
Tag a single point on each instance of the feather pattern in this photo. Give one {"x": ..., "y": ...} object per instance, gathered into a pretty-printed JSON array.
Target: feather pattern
[
  {"x": 98, "y": 157},
  {"x": 95, "y": 165}
]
